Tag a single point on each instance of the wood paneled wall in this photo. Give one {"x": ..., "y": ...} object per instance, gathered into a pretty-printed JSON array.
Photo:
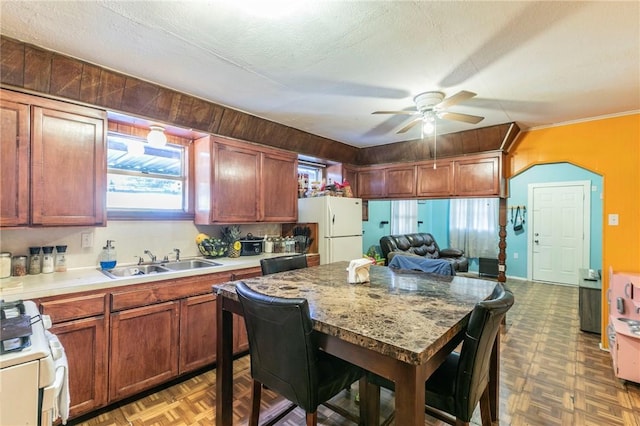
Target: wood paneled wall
[
  {"x": 450, "y": 145},
  {"x": 29, "y": 67}
]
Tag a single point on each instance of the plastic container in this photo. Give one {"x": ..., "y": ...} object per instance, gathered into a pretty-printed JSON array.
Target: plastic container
[
  {"x": 35, "y": 265},
  {"x": 61, "y": 259},
  {"x": 5, "y": 264},
  {"x": 108, "y": 256},
  {"x": 19, "y": 265},
  {"x": 47, "y": 259}
]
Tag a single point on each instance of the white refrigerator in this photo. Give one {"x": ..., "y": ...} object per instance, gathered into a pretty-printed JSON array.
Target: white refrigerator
[{"x": 339, "y": 222}]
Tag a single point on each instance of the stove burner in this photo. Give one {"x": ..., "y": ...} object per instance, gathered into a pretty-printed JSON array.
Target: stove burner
[{"x": 15, "y": 327}]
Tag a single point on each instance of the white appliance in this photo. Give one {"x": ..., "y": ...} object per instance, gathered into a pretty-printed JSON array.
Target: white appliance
[
  {"x": 34, "y": 380},
  {"x": 339, "y": 222}
]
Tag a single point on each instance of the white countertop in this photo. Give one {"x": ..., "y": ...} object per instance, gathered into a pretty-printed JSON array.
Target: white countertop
[{"x": 90, "y": 278}]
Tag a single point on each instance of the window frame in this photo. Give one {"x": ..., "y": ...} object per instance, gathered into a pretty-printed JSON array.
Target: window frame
[{"x": 187, "y": 213}]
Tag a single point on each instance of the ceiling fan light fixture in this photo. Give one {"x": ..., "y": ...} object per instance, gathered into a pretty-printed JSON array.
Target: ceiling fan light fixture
[
  {"x": 428, "y": 124},
  {"x": 156, "y": 136}
]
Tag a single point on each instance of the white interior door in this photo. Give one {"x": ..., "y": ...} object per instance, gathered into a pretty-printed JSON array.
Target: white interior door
[{"x": 559, "y": 231}]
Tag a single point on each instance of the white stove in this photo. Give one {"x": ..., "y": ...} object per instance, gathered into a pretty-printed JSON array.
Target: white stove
[{"x": 33, "y": 379}]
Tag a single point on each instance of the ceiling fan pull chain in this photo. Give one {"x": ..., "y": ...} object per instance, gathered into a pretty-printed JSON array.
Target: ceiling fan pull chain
[{"x": 435, "y": 141}]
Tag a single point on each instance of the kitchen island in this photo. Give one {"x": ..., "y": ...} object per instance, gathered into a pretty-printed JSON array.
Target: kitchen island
[{"x": 400, "y": 325}]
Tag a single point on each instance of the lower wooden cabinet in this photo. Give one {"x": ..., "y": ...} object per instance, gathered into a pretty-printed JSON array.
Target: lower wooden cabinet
[
  {"x": 197, "y": 332},
  {"x": 143, "y": 348},
  {"x": 85, "y": 343},
  {"x": 124, "y": 341},
  {"x": 240, "y": 337},
  {"x": 81, "y": 323}
]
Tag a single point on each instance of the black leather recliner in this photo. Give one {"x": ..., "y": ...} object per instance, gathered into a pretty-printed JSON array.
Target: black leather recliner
[
  {"x": 422, "y": 244},
  {"x": 285, "y": 356},
  {"x": 462, "y": 380}
]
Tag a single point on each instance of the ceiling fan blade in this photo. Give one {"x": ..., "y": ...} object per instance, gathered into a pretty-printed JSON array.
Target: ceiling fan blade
[
  {"x": 410, "y": 125},
  {"x": 472, "y": 119},
  {"x": 455, "y": 99},
  {"x": 396, "y": 112}
]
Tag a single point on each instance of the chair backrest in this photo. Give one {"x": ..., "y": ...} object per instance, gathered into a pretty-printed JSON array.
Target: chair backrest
[
  {"x": 473, "y": 366},
  {"x": 281, "y": 345},
  {"x": 283, "y": 263}
]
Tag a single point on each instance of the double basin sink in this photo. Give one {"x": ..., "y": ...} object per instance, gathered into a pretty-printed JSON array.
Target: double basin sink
[{"x": 159, "y": 268}]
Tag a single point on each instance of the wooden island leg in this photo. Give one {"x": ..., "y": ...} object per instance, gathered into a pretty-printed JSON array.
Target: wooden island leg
[{"x": 224, "y": 365}]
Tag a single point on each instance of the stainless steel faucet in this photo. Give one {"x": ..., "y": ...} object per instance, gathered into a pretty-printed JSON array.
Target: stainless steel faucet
[
  {"x": 151, "y": 255},
  {"x": 177, "y": 251}
]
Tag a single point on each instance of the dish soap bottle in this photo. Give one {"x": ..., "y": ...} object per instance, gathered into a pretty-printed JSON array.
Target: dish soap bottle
[{"x": 108, "y": 256}]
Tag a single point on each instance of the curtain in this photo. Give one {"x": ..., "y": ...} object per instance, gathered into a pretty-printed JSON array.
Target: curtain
[
  {"x": 473, "y": 226},
  {"x": 404, "y": 217}
]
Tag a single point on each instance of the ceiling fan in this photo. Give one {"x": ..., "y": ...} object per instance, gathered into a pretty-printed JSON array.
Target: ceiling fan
[{"x": 432, "y": 105}]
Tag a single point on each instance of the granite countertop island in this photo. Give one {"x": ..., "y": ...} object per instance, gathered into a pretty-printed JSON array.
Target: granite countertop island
[{"x": 405, "y": 314}]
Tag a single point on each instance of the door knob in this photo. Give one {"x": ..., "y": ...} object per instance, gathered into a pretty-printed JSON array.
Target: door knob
[{"x": 536, "y": 241}]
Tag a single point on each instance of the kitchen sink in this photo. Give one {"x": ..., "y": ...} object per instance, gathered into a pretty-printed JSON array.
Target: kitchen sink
[
  {"x": 129, "y": 271},
  {"x": 184, "y": 265}
]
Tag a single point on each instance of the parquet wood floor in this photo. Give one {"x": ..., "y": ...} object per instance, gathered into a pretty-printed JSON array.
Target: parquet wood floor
[{"x": 551, "y": 374}]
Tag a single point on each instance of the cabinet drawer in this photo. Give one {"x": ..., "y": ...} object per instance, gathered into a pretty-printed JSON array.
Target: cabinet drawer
[
  {"x": 74, "y": 308},
  {"x": 167, "y": 290}
]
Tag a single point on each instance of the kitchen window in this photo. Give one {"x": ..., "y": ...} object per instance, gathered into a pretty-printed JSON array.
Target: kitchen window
[{"x": 144, "y": 180}]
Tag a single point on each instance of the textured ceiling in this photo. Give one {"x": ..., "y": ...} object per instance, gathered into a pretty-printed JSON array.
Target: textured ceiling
[{"x": 324, "y": 66}]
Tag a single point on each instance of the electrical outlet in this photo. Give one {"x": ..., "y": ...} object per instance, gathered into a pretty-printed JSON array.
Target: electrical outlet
[
  {"x": 515, "y": 255},
  {"x": 613, "y": 219},
  {"x": 86, "y": 240}
]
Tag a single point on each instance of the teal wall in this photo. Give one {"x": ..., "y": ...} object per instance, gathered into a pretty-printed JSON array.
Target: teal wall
[
  {"x": 435, "y": 216},
  {"x": 518, "y": 195}
]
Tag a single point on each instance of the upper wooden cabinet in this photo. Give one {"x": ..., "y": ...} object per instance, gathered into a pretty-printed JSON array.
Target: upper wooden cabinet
[
  {"x": 371, "y": 183},
  {"x": 435, "y": 179},
  {"x": 478, "y": 175},
  {"x": 63, "y": 146},
  {"x": 240, "y": 182},
  {"x": 387, "y": 182},
  {"x": 14, "y": 156}
]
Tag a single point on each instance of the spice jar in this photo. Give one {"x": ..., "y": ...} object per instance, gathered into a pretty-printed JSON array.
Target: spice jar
[
  {"x": 34, "y": 260},
  {"x": 47, "y": 259},
  {"x": 19, "y": 266},
  {"x": 61, "y": 260},
  {"x": 268, "y": 245},
  {"x": 5, "y": 264}
]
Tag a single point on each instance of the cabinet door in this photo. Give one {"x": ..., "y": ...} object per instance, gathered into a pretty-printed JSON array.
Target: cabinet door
[
  {"x": 14, "y": 158},
  {"x": 435, "y": 182},
  {"x": 371, "y": 183},
  {"x": 68, "y": 167},
  {"x": 85, "y": 344},
  {"x": 401, "y": 182},
  {"x": 235, "y": 184},
  {"x": 240, "y": 337},
  {"x": 279, "y": 188},
  {"x": 197, "y": 332},
  {"x": 477, "y": 177},
  {"x": 144, "y": 348}
]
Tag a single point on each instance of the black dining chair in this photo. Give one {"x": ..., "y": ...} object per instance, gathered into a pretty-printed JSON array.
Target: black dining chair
[
  {"x": 283, "y": 263},
  {"x": 286, "y": 358},
  {"x": 453, "y": 391}
]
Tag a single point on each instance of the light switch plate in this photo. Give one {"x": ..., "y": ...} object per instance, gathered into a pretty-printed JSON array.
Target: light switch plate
[{"x": 613, "y": 219}]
